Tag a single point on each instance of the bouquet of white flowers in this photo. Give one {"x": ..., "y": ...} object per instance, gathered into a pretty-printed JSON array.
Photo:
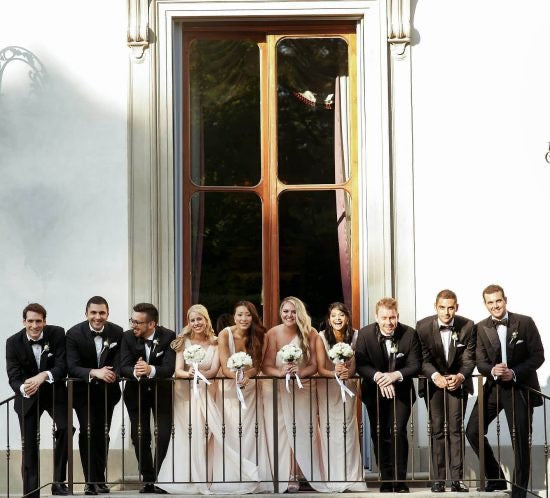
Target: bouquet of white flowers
[
  {"x": 340, "y": 353},
  {"x": 194, "y": 354},
  {"x": 236, "y": 363},
  {"x": 290, "y": 353}
]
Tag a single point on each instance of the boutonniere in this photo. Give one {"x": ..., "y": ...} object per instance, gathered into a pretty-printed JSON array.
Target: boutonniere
[
  {"x": 45, "y": 349},
  {"x": 155, "y": 344},
  {"x": 394, "y": 348},
  {"x": 105, "y": 346},
  {"x": 514, "y": 336},
  {"x": 454, "y": 337}
]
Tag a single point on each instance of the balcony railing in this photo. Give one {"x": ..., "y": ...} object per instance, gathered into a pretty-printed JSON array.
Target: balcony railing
[{"x": 265, "y": 421}]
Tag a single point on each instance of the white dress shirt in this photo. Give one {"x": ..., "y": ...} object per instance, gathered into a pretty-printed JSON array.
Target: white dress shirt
[
  {"x": 445, "y": 339},
  {"x": 37, "y": 351},
  {"x": 147, "y": 355}
]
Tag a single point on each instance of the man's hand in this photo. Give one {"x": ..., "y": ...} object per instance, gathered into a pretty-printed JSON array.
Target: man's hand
[
  {"x": 507, "y": 375},
  {"x": 32, "y": 384},
  {"x": 500, "y": 369},
  {"x": 387, "y": 379},
  {"x": 454, "y": 381},
  {"x": 388, "y": 391},
  {"x": 440, "y": 381},
  {"x": 105, "y": 374},
  {"x": 142, "y": 369}
]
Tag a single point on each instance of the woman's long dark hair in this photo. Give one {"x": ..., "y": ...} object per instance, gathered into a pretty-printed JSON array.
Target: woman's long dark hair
[
  {"x": 255, "y": 336},
  {"x": 348, "y": 332}
]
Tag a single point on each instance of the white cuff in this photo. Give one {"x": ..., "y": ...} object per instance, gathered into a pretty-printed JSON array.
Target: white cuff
[
  {"x": 433, "y": 376},
  {"x": 50, "y": 377},
  {"x": 375, "y": 375},
  {"x": 400, "y": 375},
  {"x": 22, "y": 389},
  {"x": 153, "y": 372}
]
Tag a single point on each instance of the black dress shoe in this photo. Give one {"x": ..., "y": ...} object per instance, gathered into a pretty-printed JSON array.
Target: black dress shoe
[
  {"x": 438, "y": 487},
  {"x": 386, "y": 487},
  {"x": 496, "y": 485},
  {"x": 400, "y": 487},
  {"x": 60, "y": 489},
  {"x": 150, "y": 488},
  {"x": 90, "y": 489},
  {"x": 459, "y": 486},
  {"x": 102, "y": 488}
]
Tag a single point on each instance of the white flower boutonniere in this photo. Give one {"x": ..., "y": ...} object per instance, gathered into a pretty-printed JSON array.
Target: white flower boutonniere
[
  {"x": 45, "y": 349},
  {"x": 454, "y": 337},
  {"x": 514, "y": 336},
  {"x": 393, "y": 348}
]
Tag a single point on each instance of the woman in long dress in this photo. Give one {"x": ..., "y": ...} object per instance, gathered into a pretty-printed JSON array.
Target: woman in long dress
[
  {"x": 241, "y": 454},
  {"x": 298, "y": 435},
  {"x": 340, "y": 445},
  {"x": 187, "y": 466}
]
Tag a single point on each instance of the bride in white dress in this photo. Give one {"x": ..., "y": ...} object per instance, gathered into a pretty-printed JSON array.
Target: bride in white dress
[
  {"x": 298, "y": 435},
  {"x": 340, "y": 450},
  {"x": 187, "y": 466},
  {"x": 241, "y": 454}
]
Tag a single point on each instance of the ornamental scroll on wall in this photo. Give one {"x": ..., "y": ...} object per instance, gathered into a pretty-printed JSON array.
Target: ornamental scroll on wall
[
  {"x": 399, "y": 25},
  {"x": 138, "y": 28}
]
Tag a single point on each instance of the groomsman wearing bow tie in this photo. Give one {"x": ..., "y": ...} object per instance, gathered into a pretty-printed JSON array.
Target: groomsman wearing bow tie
[
  {"x": 509, "y": 352},
  {"x": 93, "y": 352},
  {"x": 387, "y": 358},
  {"x": 448, "y": 360},
  {"x": 35, "y": 362},
  {"x": 147, "y": 357}
]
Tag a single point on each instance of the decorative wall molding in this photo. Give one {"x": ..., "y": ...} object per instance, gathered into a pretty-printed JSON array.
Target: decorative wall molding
[
  {"x": 37, "y": 72},
  {"x": 138, "y": 28},
  {"x": 399, "y": 25}
]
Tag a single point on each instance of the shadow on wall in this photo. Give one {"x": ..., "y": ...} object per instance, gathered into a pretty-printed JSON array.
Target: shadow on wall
[{"x": 63, "y": 206}]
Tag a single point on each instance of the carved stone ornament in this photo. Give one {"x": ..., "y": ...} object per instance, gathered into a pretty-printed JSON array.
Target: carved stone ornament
[
  {"x": 399, "y": 25},
  {"x": 138, "y": 27}
]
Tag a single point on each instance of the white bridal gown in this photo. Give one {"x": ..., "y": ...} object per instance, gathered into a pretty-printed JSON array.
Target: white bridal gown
[
  {"x": 241, "y": 458},
  {"x": 341, "y": 456},
  {"x": 298, "y": 430},
  {"x": 191, "y": 457}
]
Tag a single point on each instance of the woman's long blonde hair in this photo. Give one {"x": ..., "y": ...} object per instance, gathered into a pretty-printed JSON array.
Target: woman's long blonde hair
[
  {"x": 303, "y": 321},
  {"x": 178, "y": 344}
]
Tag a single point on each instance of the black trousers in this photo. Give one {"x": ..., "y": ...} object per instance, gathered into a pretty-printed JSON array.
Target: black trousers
[
  {"x": 391, "y": 447},
  {"x": 446, "y": 408},
  {"x": 519, "y": 417},
  {"x": 29, "y": 425},
  {"x": 140, "y": 418},
  {"x": 100, "y": 413}
]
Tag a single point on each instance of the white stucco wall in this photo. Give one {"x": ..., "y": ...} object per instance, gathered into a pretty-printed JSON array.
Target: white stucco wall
[
  {"x": 63, "y": 165},
  {"x": 481, "y": 111}
]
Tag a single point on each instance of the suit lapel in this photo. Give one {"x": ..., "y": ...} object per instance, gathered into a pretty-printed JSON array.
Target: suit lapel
[
  {"x": 104, "y": 350},
  {"x": 452, "y": 344},
  {"x": 513, "y": 325},
  {"x": 438, "y": 343},
  {"x": 44, "y": 354},
  {"x": 375, "y": 349},
  {"x": 28, "y": 351},
  {"x": 492, "y": 335},
  {"x": 154, "y": 346}
]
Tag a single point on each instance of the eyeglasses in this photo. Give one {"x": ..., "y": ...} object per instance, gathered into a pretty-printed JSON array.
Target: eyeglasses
[{"x": 135, "y": 322}]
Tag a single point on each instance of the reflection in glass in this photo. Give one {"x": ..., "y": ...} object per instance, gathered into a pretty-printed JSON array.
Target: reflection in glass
[
  {"x": 312, "y": 110},
  {"x": 225, "y": 112},
  {"x": 315, "y": 248},
  {"x": 226, "y": 250}
]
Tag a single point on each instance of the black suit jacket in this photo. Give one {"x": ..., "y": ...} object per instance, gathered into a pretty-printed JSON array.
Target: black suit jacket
[
  {"x": 524, "y": 351},
  {"x": 21, "y": 364},
  {"x": 82, "y": 357},
  {"x": 162, "y": 357},
  {"x": 369, "y": 359},
  {"x": 461, "y": 352}
]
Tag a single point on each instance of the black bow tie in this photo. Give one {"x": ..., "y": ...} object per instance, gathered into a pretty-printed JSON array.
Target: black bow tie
[
  {"x": 504, "y": 322},
  {"x": 383, "y": 338},
  {"x": 98, "y": 334},
  {"x": 446, "y": 327},
  {"x": 149, "y": 342},
  {"x": 40, "y": 342}
]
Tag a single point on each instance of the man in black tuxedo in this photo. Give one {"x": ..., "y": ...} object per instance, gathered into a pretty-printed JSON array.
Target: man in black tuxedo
[
  {"x": 93, "y": 352},
  {"x": 509, "y": 351},
  {"x": 448, "y": 352},
  {"x": 147, "y": 357},
  {"x": 35, "y": 361},
  {"x": 387, "y": 358}
]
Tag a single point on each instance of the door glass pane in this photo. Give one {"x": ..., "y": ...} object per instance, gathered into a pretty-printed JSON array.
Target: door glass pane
[
  {"x": 312, "y": 110},
  {"x": 315, "y": 248},
  {"x": 225, "y": 112},
  {"x": 226, "y": 250}
]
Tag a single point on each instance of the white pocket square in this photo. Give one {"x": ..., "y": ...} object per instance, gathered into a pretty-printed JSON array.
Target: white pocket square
[
  {"x": 399, "y": 355},
  {"x": 461, "y": 345},
  {"x": 50, "y": 354},
  {"x": 519, "y": 342},
  {"x": 159, "y": 354},
  {"x": 112, "y": 345}
]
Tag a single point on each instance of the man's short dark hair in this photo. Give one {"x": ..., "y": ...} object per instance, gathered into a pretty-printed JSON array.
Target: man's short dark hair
[
  {"x": 37, "y": 308},
  {"x": 97, "y": 300},
  {"x": 149, "y": 309},
  {"x": 491, "y": 289},
  {"x": 445, "y": 294}
]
